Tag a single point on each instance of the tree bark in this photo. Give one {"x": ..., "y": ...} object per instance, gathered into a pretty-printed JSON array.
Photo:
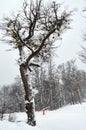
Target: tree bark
[
  {"x": 72, "y": 97},
  {"x": 29, "y": 97}
]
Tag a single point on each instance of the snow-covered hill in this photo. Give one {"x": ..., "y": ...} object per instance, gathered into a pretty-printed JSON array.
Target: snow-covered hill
[{"x": 67, "y": 118}]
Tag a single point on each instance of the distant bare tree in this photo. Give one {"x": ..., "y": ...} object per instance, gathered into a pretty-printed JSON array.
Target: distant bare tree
[
  {"x": 17, "y": 95},
  {"x": 4, "y": 97},
  {"x": 82, "y": 54},
  {"x": 70, "y": 82}
]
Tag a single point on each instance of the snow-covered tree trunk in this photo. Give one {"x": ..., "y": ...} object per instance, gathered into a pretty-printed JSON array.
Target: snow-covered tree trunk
[{"x": 29, "y": 95}]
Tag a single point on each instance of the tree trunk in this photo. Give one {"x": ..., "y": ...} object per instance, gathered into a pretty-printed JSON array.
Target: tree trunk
[
  {"x": 72, "y": 97},
  {"x": 79, "y": 96},
  {"x": 29, "y": 97}
]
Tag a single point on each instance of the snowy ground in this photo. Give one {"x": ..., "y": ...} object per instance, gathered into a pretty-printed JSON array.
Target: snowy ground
[{"x": 67, "y": 118}]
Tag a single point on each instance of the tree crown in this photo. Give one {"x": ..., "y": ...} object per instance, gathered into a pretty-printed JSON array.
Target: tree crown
[{"x": 36, "y": 27}]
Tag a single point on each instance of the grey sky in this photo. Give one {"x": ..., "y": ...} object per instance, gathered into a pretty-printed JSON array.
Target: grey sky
[{"x": 70, "y": 44}]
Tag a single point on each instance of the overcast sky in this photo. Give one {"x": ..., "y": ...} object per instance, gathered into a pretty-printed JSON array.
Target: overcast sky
[{"x": 70, "y": 44}]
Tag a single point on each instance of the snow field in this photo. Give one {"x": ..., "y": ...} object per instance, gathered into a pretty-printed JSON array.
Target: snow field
[{"x": 66, "y": 118}]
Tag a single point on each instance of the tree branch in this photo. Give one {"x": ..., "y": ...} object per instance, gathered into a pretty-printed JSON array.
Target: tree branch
[
  {"x": 34, "y": 64},
  {"x": 40, "y": 47},
  {"x": 19, "y": 37},
  {"x": 35, "y": 18}
]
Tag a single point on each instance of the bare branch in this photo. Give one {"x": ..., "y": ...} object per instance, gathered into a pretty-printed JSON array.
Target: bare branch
[
  {"x": 24, "y": 42},
  {"x": 34, "y": 64},
  {"x": 40, "y": 47},
  {"x": 33, "y": 17},
  {"x": 82, "y": 55}
]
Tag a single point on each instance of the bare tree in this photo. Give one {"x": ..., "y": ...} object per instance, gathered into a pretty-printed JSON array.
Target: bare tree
[
  {"x": 71, "y": 82},
  {"x": 4, "y": 96},
  {"x": 17, "y": 95},
  {"x": 33, "y": 31},
  {"x": 82, "y": 55}
]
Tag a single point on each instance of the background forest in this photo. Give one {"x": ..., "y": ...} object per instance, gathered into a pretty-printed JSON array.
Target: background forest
[{"x": 55, "y": 87}]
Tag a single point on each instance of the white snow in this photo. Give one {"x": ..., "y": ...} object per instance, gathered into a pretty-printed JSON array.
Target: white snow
[
  {"x": 26, "y": 102},
  {"x": 67, "y": 118}
]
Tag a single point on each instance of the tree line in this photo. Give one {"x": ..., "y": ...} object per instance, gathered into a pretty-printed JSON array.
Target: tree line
[{"x": 54, "y": 88}]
